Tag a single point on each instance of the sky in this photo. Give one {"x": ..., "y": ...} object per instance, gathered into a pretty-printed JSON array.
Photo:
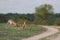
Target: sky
[{"x": 26, "y": 6}]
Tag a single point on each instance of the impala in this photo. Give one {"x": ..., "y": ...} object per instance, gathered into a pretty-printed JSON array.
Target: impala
[{"x": 12, "y": 22}]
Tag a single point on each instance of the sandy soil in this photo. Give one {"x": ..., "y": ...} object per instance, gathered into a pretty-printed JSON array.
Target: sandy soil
[
  {"x": 56, "y": 38},
  {"x": 50, "y": 31}
]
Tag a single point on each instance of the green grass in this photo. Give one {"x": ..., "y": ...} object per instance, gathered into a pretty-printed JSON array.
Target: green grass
[{"x": 9, "y": 32}]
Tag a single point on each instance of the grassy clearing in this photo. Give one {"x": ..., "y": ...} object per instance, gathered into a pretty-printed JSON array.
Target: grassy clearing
[{"x": 8, "y": 32}]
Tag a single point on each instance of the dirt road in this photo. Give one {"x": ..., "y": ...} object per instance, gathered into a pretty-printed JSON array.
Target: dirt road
[
  {"x": 50, "y": 31},
  {"x": 56, "y": 38}
]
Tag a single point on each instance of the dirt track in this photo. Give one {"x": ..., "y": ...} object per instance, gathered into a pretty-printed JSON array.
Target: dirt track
[
  {"x": 50, "y": 31},
  {"x": 56, "y": 38}
]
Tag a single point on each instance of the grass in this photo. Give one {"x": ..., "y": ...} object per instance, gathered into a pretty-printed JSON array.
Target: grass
[{"x": 9, "y": 32}]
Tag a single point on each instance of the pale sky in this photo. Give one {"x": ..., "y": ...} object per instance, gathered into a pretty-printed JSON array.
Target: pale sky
[{"x": 26, "y": 6}]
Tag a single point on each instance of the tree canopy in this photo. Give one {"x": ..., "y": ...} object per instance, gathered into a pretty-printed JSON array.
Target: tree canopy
[{"x": 43, "y": 11}]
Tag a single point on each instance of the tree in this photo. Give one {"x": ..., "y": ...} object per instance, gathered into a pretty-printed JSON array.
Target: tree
[
  {"x": 43, "y": 11},
  {"x": 2, "y": 18}
]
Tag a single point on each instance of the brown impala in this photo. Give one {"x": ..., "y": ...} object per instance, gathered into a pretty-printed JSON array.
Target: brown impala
[
  {"x": 23, "y": 24},
  {"x": 12, "y": 22}
]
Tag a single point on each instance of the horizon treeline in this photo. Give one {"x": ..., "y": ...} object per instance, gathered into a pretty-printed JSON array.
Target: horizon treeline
[{"x": 52, "y": 19}]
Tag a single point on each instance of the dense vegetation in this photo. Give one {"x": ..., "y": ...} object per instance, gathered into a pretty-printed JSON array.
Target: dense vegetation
[{"x": 52, "y": 19}]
